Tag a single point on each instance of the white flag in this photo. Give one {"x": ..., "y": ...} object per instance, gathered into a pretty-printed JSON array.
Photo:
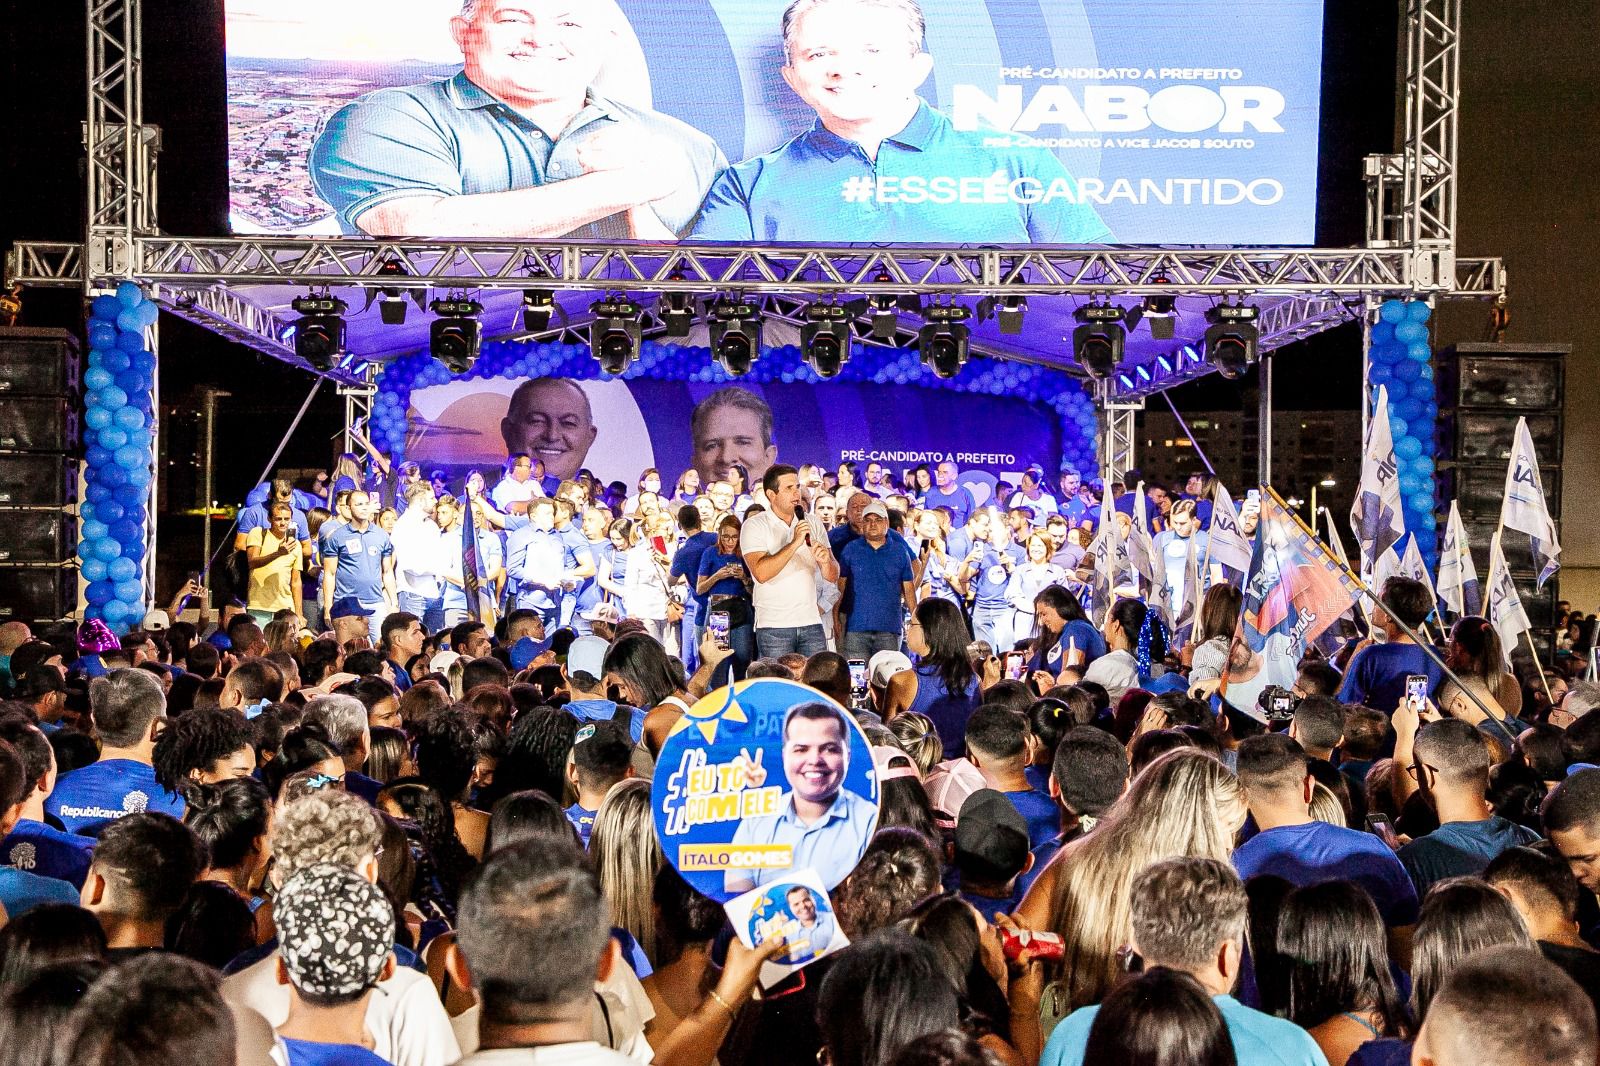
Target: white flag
[
  {"x": 1387, "y": 566},
  {"x": 1110, "y": 555},
  {"x": 1505, "y": 602},
  {"x": 1229, "y": 547},
  {"x": 1335, "y": 542},
  {"x": 1412, "y": 566},
  {"x": 1524, "y": 507},
  {"x": 1458, "y": 576},
  {"x": 1376, "y": 514},
  {"x": 1142, "y": 551}
]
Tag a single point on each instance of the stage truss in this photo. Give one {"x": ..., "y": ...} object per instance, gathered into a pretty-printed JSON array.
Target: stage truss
[{"x": 1409, "y": 254}]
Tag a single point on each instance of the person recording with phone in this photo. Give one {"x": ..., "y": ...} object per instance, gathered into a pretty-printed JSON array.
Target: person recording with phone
[
  {"x": 722, "y": 584},
  {"x": 1378, "y": 672}
]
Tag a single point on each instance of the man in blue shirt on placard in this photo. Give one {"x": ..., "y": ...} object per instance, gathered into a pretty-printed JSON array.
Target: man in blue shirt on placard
[
  {"x": 879, "y": 164},
  {"x": 33, "y": 845},
  {"x": 518, "y": 144},
  {"x": 358, "y": 564},
  {"x": 815, "y": 933},
  {"x": 129, "y": 710},
  {"x": 826, "y": 824},
  {"x": 1377, "y": 673},
  {"x": 876, "y": 581}
]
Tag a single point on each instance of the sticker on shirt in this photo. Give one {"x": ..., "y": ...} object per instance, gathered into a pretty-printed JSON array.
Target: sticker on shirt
[
  {"x": 759, "y": 780},
  {"x": 798, "y": 910}
]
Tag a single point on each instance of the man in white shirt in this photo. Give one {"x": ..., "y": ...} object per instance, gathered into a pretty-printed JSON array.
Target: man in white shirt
[
  {"x": 783, "y": 556},
  {"x": 419, "y": 559},
  {"x": 511, "y": 493}
]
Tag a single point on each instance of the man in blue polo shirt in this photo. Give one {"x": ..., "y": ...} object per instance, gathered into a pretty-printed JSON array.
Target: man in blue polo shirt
[
  {"x": 876, "y": 579},
  {"x": 516, "y": 145},
  {"x": 543, "y": 563},
  {"x": 986, "y": 574},
  {"x": 946, "y": 492},
  {"x": 879, "y": 164},
  {"x": 358, "y": 563},
  {"x": 1377, "y": 673},
  {"x": 129, "y": 710},
  {"x": 22, "y": 889},
  {"x": 33, "y": 845}
]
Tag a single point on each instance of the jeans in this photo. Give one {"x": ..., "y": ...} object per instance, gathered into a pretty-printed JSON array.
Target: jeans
[
  {"x": 772, "y": 642},
  {"x": 690, "y": 633},
  {"x": 993, "y": 624},
  {"x": 862, "y": 644},
  {"x": 311, "y": 610},
  {"x": 431, "y": 612}
]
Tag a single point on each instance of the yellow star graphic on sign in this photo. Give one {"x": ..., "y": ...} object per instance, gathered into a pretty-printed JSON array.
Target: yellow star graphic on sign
[{"x": 709, "y": 711}]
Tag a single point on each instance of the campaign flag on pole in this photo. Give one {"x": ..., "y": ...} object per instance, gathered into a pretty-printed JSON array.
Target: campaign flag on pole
[
  {"x": 1336, "y": 542},
  {"x": 1110, "y": 556},
  {"x": 1193, "y": 593},
  {"x": 1506, "y": 613},
  {"x": 480, "y": 598},
  {"x": 1458, "y": 575},
  {"x": 1376, "y": 514},
  {"x": 1412, "y": 566},
  {"x": 1229, "y": 546},
  {"x": 1524, "y": 508},
  {"x": 1387, "y": 566},
  {"x": 1296, "y": 590},
  {"x": 1142, "y": 551}
]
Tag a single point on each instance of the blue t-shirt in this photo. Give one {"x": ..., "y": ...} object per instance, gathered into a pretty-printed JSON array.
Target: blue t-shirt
[
  {"x": 257, "y": 517},
  {"x": 1386, "y": 1052},
  {"x": 88, "y": 799},
  {"x": 686, "y": 564},
  {"x": 946, "y": 710},
  {"x": 1316, "y": 852},
  {"x": 603, "y": 710},
  {"x": 43, "y": 849},
  {"x": 710, "y": 563},
  {"x": 873, "y": 598},
  {"x": 21, "y": 891},
  {"x": 1040, "y": 812},
  {"x": 1042, "y": 854},
  {"x": 989, "y": 906},
  {"x": 991, "y": 578},
  {"x": 1376, "y": 676},
  {"x": 1258, "y": 1039},
  {"x": 1077, "y": 633},
  {"x": 1461, "y": 849},
  {"x": 542, "y": 556},
  {"x": 311, "y": 1053},
  {"x": 582, "y": 820},
  {"x": 360, "y": 556},
  {"x": 958, "y": 500}
]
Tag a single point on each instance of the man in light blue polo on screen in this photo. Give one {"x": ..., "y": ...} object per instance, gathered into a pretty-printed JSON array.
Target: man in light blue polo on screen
[
  {"x": 826, "y": 824},
  {"x": 518, "y": 144},
  {"x": 879, "y": 164}
]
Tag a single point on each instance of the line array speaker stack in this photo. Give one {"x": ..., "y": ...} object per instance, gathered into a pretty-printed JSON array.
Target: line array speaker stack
[
  {"x": 39, "y": 445},
  {"x": 1483, "y": 390}
]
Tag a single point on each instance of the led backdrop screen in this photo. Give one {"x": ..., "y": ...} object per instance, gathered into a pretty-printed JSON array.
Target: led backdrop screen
[{"x": 997, "y": 122}]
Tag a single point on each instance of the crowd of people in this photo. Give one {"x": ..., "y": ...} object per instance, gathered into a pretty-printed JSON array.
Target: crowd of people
[{"x": 377, "y": 811}]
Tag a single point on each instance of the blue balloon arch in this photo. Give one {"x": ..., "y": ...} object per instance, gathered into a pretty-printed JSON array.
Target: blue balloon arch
[{"x": 1400, "y": 358}]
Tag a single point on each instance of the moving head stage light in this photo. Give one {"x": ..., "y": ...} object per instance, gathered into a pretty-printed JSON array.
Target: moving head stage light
[
  {"x": 1097, "y": 344},
  {"x": 319, "y": 332},
  {"x": 735, "y": 334},
  {"x": 1232, "y": 338},
  {"x": 457, "y": 334},
  {"x": 615, "y": 334},
  {"x": 825, "y": 338},
  {"x": 944, "y": 340}
]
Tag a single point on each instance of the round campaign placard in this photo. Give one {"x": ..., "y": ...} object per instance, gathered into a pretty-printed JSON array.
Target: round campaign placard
[
  {"x": 759, "y": 779},
  {"x": 799, "y": 914}
]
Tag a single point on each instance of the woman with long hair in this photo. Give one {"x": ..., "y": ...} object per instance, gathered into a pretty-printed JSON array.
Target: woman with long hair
[
  {"x": 1064, "y": 636},
  {"x": 849, "y": 475},
  {"x": 971, "y": 954},
  {"x": 347, "y": 475},
  {"x": 646, "y": 676},
  {"x": 885, "y": 991},
  {"x": 1136, "y": 639},
  {"x": 1160, "y": 1018},
  {"x": 627, "y": 858},
  {"x": 1213, "y": 637},
  {"x": 415, "y": 802},
  {"x": 941, "y": 684},
  {"x": 1185, "y": 804},
  {"x": 687, "y": 490},
  {"x": 1477, "y": 657},
  {"x": 645, "y": 593},
  {"x": 1333, "y": 950},
  {"x": 447, "y": 757},
  {"x": 612, "y": 572}
]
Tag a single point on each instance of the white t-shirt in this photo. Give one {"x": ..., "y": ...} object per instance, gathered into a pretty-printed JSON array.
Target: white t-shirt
[
  {"x": 587, "y": 1053},
  {"x": 789, "y": 600},
  {"x": 622, "y": 1009},
  {"x": 408, "y": 1024},
  {"x": 418, "y": 556},
  {"x": 506, "y": 492}
]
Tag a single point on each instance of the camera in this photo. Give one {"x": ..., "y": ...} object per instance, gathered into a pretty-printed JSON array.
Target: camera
[{"x": 1277, "y": 703}]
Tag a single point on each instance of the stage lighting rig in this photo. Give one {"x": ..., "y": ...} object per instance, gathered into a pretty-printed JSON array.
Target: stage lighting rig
[
  {"x": 1008, "y": 313},
  {"x": 1097, "y": 343},
  {"x": 616, "y": 333},
  {"x": 735, "y": 334},
  {"x": 825, "y": 338},
  {"x": 1231, "y": 339},
  {"x": 1159, "y": 312},
  {"x": 392, "y": 300},
  {"x": 944, "y": 340},
  {"x": 885, "y": 310},
  {"x": 537, "y": 307},
  {"x": 457, "y": 334},
  {"x": 319, "y": 332},
  {"x": 676, "y": 309}
]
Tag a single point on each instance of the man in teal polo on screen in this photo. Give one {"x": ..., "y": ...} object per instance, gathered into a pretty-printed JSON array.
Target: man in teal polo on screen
[
  {"x": 827, "y": 825},
  {"x": 879, "y": 164},
  {"x": 518, "y": 144}
]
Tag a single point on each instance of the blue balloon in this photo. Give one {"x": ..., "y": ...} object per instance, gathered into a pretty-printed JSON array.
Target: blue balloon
[
  {"x": 139, "y": 475},
  {"x": 98, "y": 494},
  {"x": 112, "y": 474},
  {"x": 104, "y": 548},
  {"x": 1382, "y": 332},
  {"x": 1406, "y": 370},
  {"x": 1392, "y": 311},
  {"x": 107, "y": 307},
  {"x": 131, "y": 495},
  {"x": 1386, "y": 353},
  {"x": 1397, "y": 428},
  {"x": 93, "y": 530},
  {"x": 130, "y": 321},
  {"x": 1410, "y": 331},
  {"x": 1379, "y": 374},
  {"x": 130, "y": 456},
  {"x": 117, "y": 360},
  {"x": 109, "y": 511},
  {"x": 1409, "y": 409},
  {"x": 111, "y": 438},
  {"x": 128, "y": 343},
  {"x": 1411, "y": 483},
  {"x": 130, "y": 419},
  {"x": 87, "y": 510},
  {"x": 113, "y": 397},
  {"x": 134, "y": 551},
  {"x": 1421, "y": 503},
  {"x": 93, "y": 569},
  {"x": 1418, "y": 311},
  {"x": 131, "y": 592},
  {"x": 129, "y": 294},
  {"x": 1430, "y": 410},
  {"x": 1419, "y": 351},
  {"x": 1408, "y": 447},
  {"x": 117, "y": 615},
  {"x": 149, "y": 313},
  {"x": 122, "y": 569},
  {"x": 131, "y": 381},
  {"x": 124, "y": 531},
  {"x": 143, "y": 361},
  {"x": 101, "y": 334},
  {"x": 100, "y": 592},
  {"x": 97, "y": 417}
]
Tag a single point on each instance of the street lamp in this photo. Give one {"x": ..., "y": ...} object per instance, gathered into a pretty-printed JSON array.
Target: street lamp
[{"x": 1325, "y": 483}]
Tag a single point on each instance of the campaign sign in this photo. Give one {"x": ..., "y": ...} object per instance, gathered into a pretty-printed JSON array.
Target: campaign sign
[
  {"x": 760, "y": 780},
  {"x": 795, "y": 908}
]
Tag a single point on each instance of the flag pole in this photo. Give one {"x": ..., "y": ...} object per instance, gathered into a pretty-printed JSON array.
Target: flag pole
[
  {"x": 1540, "y": 666},
  {"x": 1427, "y": 649}
]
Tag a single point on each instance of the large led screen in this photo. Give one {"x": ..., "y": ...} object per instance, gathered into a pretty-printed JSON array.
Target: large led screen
[{"x": 993, "y": 122}]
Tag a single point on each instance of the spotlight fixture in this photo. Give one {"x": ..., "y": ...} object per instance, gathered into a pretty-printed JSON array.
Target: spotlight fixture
[
  {"x": 615, "y": 334},
  {"x": 676, "y": 309},
  {"x": 944, "y": 340},
  {"x": 456, "y": 335},
  {"x": 825, "y": 338},
  {"x": 1159, "y": 312},
  {"x": 1231, "y": 339},
  {"x": 735, "y": 334},
  {"x": 391, "y": 301},
  {"x": 1008, "y": 313},
  {"x": 885, "y": 310},
  {"x": 319, "y": 332},
  {"x": 1097, "y": 343},
  {"x": 537, "y": 307}
]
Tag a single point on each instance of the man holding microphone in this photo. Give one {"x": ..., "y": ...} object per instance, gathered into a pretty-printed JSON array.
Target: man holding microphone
[{"x": 784, "y": 558}]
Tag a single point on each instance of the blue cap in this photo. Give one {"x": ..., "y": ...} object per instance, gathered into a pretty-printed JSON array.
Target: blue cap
[
  {"x": 526, "y": 650},
  {"x": 348, "y": 607}
]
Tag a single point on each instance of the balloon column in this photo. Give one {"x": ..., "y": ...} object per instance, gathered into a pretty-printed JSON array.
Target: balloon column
[
  {"x": 118, "y": 456},
  {"x": 1401, "y": 359},
  {"x": 669, "y": 362}
]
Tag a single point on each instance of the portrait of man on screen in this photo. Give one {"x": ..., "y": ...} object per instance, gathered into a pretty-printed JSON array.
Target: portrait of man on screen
[
  {"x": 880, "y": 164},
  {"x": 519, "y": 144}
]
